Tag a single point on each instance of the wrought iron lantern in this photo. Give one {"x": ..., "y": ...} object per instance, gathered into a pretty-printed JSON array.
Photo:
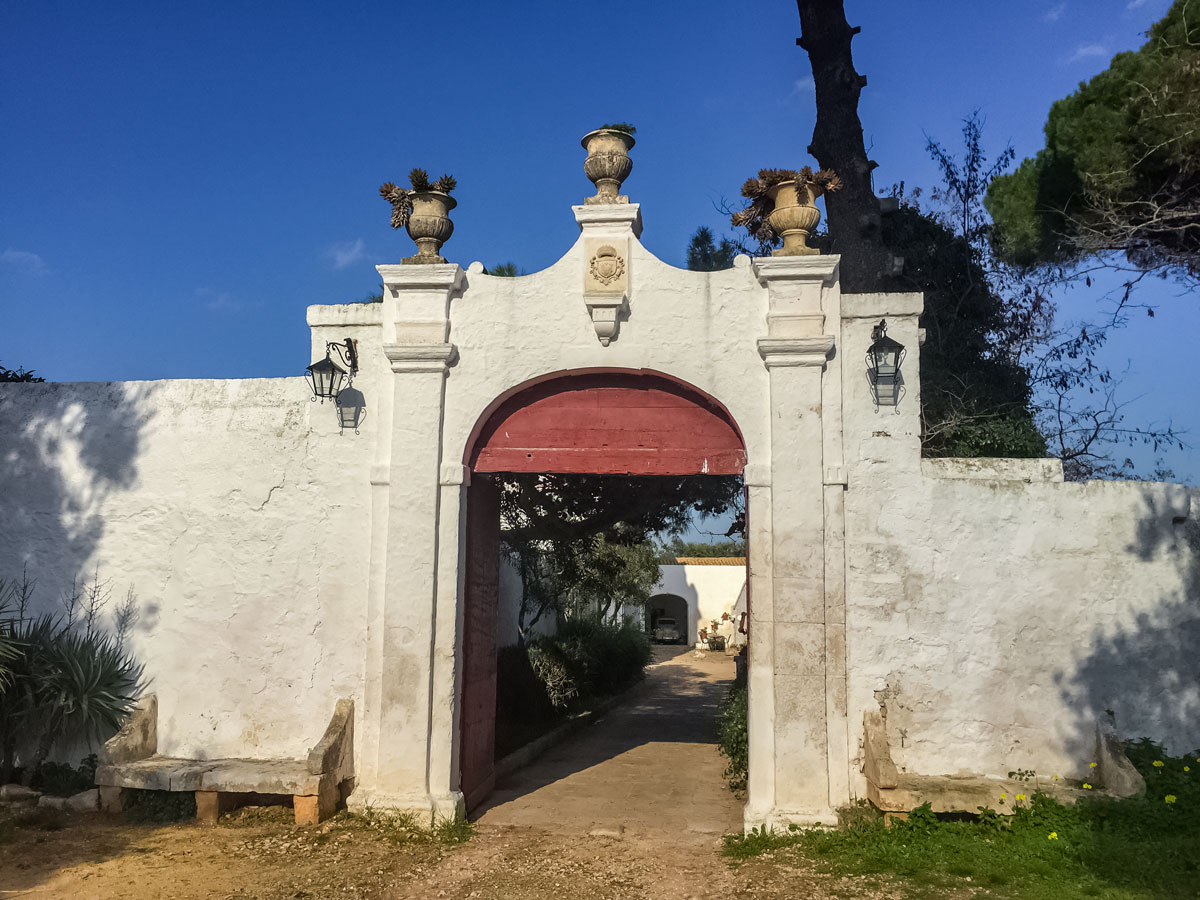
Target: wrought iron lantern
[
  {"x": 884, "y": 357},
  {"x": 327, "y": 378}
]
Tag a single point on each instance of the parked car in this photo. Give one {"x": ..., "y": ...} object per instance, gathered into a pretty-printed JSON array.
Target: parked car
[{"x": 667, "y": 632}]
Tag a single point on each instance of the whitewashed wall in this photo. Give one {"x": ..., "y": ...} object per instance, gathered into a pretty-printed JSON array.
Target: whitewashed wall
[
  {"x": 235, "y": 510},
  {"x": 996, "y": 612}
]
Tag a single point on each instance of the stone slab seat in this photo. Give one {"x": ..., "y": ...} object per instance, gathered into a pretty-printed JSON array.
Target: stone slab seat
[
  {"x": 896, "y": 794},
  {"x": 318, "y": 783}
]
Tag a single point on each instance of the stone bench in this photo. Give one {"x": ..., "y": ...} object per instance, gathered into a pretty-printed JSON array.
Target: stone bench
[
  {"x": 318, "y": 784},
  {"x": 897, "y": 793}
]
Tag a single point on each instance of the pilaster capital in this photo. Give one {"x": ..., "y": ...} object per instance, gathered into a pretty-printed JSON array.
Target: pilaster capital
[
  {"x": 447, "y": 278},
  {"x": 436, "y": 358},
  {"x": 821, "y": 268},
  {"x": 802, "y": 351},
  {"x": 609, "y": 218}
]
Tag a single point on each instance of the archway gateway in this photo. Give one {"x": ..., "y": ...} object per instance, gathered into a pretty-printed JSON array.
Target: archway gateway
[
  {"x": 561, "y": 371},
  {"x": 613, "y": 422}
]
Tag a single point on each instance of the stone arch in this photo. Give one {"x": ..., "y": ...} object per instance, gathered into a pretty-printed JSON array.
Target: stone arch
[{"x": 585, "y": 421}]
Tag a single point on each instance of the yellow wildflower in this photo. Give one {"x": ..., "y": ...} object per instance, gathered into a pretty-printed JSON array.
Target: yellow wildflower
[
  {"x": 1056, "y": 778},
  {"x": 1092, "y": 765},
  {"x": 1086, "y": 786},
  {"x": 1003, "y": 796},
  {"x": 1187, "y": 768},
  {"x": 1158, "y": 764},
  {"x": 1052, "y": 836},
  {"x": 1020, "y": 796},
  {"x": 1170, "y": 798}
]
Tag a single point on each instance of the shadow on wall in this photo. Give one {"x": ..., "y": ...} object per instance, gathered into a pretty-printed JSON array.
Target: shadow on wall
[
  {"x": 64, "y": 449},
  {"x": 1147, "y": 675}
]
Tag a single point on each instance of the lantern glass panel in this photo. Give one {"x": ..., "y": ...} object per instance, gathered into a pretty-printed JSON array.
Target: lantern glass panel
[{"x": 326, "y": 378}]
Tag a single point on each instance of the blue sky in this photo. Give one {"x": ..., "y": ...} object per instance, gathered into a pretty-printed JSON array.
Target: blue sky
[{"x": 178, "y": 181}]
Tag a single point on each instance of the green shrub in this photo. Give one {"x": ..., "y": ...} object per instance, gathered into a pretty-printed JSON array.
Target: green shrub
[
  {"x": 733, "y": 737},
  {"x": 63, "y": 779},
  {"x": 587, "y": 659}
]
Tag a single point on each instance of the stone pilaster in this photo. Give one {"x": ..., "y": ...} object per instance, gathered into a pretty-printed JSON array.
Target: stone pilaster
[
  {"x": 407, "y": 535},
  {"x": 792, "y": 642}
]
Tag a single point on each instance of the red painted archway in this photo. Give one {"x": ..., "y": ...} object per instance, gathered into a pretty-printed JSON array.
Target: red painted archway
[
  {"x": 614, "y": 422},
  {"x": 595, "y": 421}
]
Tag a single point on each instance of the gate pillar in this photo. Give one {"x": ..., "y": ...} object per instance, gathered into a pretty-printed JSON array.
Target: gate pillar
[
  {"x": 794, "y": 645},
  {"x": 416, "y": 509}
]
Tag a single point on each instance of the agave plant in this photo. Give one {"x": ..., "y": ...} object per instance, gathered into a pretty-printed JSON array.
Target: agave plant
[
  {"x": 61, "y": 682},
  {"x": 27, "y": 667},
  {"x": 90, "y": 687},
  {"x": 757, "y": 190},
  {"x": 401, "y": 198}
]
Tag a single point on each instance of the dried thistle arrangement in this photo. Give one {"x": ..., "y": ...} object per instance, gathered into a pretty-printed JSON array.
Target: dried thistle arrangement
[
  {"x": 754, "y": 217},
  {"x": 401, "y": 198}
]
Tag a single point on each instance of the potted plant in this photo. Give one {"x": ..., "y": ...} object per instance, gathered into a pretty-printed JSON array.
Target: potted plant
[
  {"x": 424, "y": 211},
  {"x": 783, "y": 205},
  {"x": 608, "y": 163}
]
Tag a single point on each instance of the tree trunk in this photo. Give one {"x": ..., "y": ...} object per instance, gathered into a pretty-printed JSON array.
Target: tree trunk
[{"x": 855, "y": 229}]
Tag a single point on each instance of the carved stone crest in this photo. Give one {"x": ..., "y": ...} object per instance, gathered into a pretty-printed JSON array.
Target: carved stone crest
[{"x": 606, "y": 265}]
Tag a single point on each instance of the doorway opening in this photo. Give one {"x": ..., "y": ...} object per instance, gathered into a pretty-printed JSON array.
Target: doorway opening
[{"x": 568, "y": 477}]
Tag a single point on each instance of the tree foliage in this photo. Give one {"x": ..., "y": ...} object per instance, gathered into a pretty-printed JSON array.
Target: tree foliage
[
  {"x": 570, "y": 534},
  {"x": 975, "y": 383},
  {"x": 999, "y": 376},
  {"x": 704, "y": 254},
  {"x": 19, "y": 375},
  {"x": 1120, "y": 171}
]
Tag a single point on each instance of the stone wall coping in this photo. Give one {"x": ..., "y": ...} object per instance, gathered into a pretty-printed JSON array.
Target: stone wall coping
[
  {"x": 880, "y": 306},
  {"x": 345, "y": 314},
  {"x": 992, "y": 469}
]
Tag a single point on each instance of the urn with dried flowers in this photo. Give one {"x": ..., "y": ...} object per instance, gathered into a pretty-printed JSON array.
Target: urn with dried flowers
[
  {"x": 783, "y": 206},
  {"x": 424, "y": 211}
]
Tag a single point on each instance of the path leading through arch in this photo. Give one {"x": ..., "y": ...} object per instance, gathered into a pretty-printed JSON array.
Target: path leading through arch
[{"x": 649, "y": 766}]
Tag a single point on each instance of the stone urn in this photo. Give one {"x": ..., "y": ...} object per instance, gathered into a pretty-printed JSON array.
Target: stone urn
[
  {"x": 429, "y": 225},
  {"x": 795, "y": 216},
  {"x": 607, "y": 163}
]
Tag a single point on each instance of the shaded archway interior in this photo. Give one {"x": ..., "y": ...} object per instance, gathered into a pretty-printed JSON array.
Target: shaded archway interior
[
  {"x": 610, "y": 423},
  {"x": 598, "y": 422}
]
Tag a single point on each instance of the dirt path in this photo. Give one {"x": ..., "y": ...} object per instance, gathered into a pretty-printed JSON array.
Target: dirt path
[{"x": 632, "y": 808}]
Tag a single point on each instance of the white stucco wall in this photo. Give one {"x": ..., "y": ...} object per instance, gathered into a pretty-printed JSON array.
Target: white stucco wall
[
  {"x": 996, "y": 612},
  {"x": 232, "y": 509},
  {"x": 997, "y": 620},
  {"x": 708, "y": 590}
]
